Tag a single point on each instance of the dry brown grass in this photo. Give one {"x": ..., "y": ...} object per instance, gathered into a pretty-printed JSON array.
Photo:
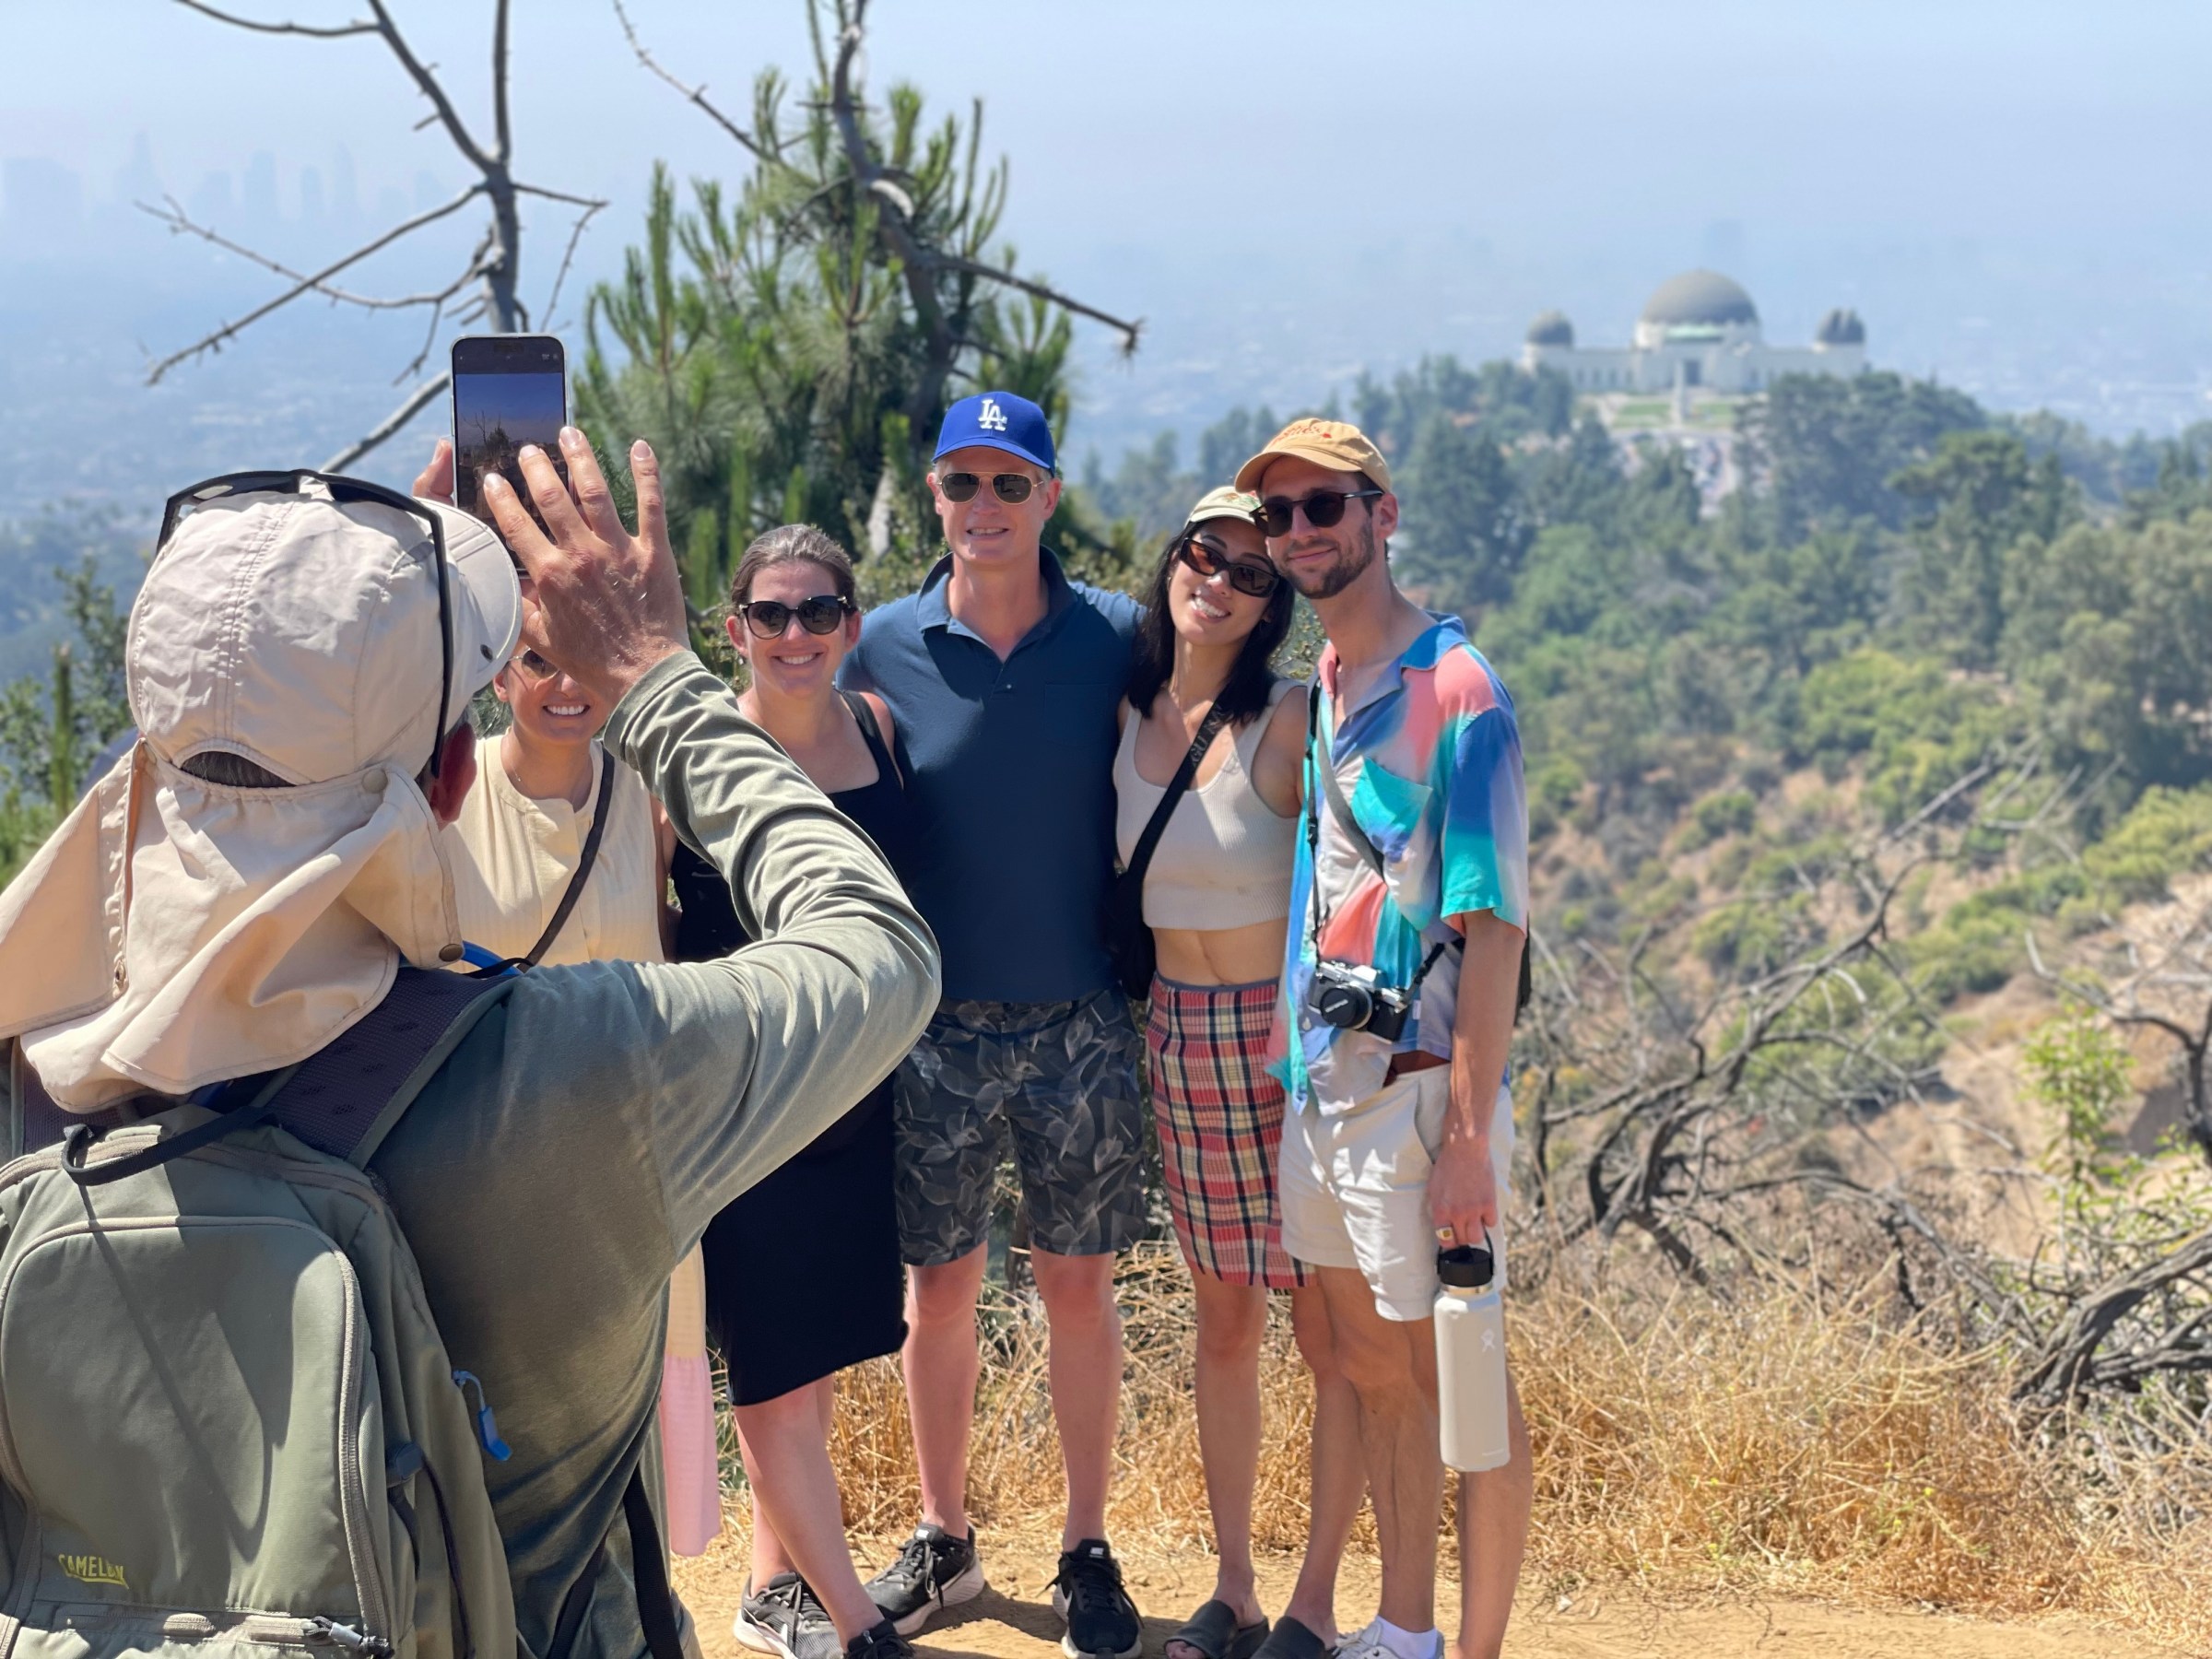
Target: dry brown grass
[{"x": 1683, "y": 1444}]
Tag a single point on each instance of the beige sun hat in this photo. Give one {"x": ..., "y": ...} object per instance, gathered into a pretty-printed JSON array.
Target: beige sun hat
[{"x": 174, "y": 931}]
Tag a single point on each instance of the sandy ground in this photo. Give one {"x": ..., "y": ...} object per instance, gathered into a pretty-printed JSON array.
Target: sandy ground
[{"x": 1015, "y": 1620}]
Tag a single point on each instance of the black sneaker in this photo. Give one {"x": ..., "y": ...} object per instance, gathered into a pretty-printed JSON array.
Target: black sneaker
[
  {"x": 935, "y": 1571},
  {"x": 882, "y": 1642},
  {"x": 1102, "y": 1619},
  {"x": 784, "y": 1618}
]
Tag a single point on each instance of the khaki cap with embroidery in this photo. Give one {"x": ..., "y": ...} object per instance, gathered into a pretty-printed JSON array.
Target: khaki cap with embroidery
[
  {"x": 1336, "y": 444},
  {"x": 1227, "y": 501}
]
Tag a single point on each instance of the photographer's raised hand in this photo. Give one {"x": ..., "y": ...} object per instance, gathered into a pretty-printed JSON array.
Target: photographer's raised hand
[{"x": 607, "y": 604}]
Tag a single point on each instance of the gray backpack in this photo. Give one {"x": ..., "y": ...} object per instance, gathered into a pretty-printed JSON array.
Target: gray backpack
[{"x": 226, "y": 1411}]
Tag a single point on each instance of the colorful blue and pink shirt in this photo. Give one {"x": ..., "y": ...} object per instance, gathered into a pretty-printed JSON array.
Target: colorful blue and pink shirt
[{"x": 1430, "y": 760}]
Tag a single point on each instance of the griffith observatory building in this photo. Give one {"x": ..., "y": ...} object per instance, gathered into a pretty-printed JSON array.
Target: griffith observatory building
[{"x": 1698, "y": 330}]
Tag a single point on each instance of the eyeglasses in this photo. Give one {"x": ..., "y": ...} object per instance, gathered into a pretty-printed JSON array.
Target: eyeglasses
[
  {"x": 768, "y": 618},
  {"x": 1009, "y": 487},
  {"x": 1323, "y": 508},
  {"x": 536, "y": 666},
  {"x": 342, "y": 490},
  {"x": 1209, "y": 560}
]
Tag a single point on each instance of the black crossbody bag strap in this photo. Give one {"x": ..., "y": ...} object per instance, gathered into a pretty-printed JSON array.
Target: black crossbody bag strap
[
  {"x": 1141, "y": 855},
  {"x": 574, "y": 890}
]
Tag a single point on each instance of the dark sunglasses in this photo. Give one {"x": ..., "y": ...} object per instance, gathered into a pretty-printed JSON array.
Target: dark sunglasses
[
  {"x": 1009, "y": 487},
  {"x": 1323, "y": 508},
  {"x": 1256, "y": 581},
  {"x": 536, "y": 666},
  {"x": 342, "y": 490},
  {"x": 768, "y": 618}
]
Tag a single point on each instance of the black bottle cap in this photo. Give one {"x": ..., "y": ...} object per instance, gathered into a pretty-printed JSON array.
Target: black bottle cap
[{"x": 1468, "y": 1267}]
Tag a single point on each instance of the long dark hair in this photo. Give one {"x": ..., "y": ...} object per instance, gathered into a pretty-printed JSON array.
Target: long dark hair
[{"x": 1243, "y": 696}]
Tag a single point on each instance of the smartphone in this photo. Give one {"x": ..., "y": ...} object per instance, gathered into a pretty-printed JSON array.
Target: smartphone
[{"x": 509, "y": 390}]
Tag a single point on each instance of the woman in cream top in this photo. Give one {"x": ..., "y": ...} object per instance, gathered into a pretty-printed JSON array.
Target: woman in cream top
[
  {"x": 1218, "y": 900},
  {"x": 513, "y": 849}
]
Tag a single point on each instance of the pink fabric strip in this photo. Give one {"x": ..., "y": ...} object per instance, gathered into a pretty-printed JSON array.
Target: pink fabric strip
[{"x": 693, "y": 1478}]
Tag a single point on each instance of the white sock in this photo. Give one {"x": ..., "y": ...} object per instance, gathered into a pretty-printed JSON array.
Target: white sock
[{"x": 1409, "y": 1645}]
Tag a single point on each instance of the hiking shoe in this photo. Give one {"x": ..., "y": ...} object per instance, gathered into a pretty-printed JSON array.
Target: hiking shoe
[
  {"x": 1102, "y": 1619},
  {"x": 934, "y": 1572},
  {"x": 783, "y": 1618},
  {"x": 881, "y": 1643}
]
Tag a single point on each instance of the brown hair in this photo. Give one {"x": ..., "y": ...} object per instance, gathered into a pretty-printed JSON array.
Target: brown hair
[{"x": 793, "y": 544}]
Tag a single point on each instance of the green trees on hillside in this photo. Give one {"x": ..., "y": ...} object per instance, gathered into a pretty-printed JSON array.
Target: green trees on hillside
[
  {"x": 789, "y": 343},
  {"x": 52, "y": 725}
]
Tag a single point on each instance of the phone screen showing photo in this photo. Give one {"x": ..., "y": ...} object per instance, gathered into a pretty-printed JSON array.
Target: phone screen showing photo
[{"x": 495, "y": 412}]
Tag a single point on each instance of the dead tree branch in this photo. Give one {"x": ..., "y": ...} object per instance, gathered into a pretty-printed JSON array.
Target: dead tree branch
[
  {"x": 417, "y": 401},
  {"x": 318, "y": 31},
  {"x": 494, "y": 266}
]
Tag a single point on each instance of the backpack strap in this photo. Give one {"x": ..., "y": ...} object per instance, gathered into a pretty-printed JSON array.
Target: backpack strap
[
  {"x": 656, "y": 1603},
  {"x": 349, "y": 1095}
]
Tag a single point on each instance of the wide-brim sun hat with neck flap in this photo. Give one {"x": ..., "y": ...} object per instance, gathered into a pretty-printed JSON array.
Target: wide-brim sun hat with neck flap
[{"x": 175, "y": 932}]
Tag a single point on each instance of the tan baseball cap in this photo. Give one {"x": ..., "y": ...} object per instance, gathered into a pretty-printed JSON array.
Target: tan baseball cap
[
  {"x": 1335, "y": 444},
  {"x": 1227, "y": 501}
]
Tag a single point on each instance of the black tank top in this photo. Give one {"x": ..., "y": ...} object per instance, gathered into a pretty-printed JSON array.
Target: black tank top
[{"x": 708, "y": 927}]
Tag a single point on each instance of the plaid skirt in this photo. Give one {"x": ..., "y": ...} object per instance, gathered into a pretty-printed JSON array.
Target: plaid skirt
[{"x": 1220, "y": 1118}]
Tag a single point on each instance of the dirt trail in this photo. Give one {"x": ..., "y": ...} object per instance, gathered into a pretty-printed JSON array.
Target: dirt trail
[{"x": 1015, "y": 1620}]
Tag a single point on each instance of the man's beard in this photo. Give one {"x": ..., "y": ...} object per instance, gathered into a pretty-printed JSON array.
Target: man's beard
[{"x": 1348, "y": 569}]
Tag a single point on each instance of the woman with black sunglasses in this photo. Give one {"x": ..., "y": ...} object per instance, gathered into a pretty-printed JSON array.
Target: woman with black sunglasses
[
  {"x": 1217, "y": 897},
  {"x": 804, "y": 1276}
]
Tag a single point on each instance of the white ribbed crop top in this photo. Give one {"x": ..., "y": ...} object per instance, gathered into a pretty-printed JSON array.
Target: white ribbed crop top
[{"x": 1224, "y": 859}]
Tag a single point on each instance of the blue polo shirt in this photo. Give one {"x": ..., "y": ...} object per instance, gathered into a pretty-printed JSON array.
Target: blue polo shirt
[{"x": 1010, "y": 779}]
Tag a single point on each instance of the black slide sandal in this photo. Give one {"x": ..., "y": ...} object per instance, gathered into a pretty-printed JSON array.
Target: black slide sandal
[
  {"x": 1213, "y": 1631},
  {"x": 1292, "y": 1639}
]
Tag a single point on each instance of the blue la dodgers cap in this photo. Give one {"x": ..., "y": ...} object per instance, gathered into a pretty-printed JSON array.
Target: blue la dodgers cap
[{"x": 998, "y": 421}]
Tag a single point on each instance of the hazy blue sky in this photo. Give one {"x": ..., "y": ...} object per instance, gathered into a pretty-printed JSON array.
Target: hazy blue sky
[
  {"x": 2011, "y": 190},
  {"x": 1573, "y": 119}
]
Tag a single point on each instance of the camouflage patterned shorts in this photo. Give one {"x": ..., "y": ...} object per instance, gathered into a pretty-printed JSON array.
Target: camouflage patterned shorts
[{"x": 1062, "y": 1079}]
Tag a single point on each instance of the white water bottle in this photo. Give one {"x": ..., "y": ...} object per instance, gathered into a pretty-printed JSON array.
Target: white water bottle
[{"x": 1470, "y": 1361}]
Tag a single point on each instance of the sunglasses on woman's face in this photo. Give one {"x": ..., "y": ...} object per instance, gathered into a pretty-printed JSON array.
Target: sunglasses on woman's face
[
  {"x": 768, "y": 618},
  {"x": 1208, "y": 559},
  {"x": 1009, "y": 487},
  {"x": 1323, "y": 508},
  {"x": 536, "y": 666}
]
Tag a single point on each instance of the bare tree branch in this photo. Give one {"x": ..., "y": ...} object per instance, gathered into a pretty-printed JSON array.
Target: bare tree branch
[
  {"x": 175, "y": 218},
  {"x": 692, "y": 95},
  {"x": 308, "y": 285},
  {"x": 503, "y": 131},
  {"x": 1127, "y": 329},
  {"x": 428, "y": 83},
  {"x": 417, "y": 401},
  {"x": 561, "y": 276},
  {"x": 318, "y": 32}
]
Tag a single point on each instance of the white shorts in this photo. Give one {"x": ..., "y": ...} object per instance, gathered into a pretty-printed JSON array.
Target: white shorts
[{"x": 1354, "y": 1188}]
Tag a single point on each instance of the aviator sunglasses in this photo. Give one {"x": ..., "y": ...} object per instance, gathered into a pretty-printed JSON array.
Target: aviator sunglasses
[
  {"x": 1323, "y": 508},
  {"x": 768, "y": 618},
  {"x": 1209, "y": 560},
  {"x": 1009, "y": 487}
]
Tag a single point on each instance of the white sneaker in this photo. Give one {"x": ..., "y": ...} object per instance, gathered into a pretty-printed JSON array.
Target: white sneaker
[{"x": 1371, "y": 1643}]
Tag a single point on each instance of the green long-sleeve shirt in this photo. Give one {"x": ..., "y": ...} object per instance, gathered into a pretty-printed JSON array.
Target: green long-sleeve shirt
[{"x": 574, "y": 1147}]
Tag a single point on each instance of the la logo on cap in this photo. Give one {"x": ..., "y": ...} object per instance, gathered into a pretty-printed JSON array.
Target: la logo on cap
[{"x": 992, "y": 418}]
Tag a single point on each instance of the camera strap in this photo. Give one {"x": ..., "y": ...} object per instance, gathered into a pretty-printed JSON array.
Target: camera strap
[{"x": 1320, "y": 758}]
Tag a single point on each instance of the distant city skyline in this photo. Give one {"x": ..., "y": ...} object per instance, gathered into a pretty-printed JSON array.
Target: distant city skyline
[{"x": 2004, "y": 193}]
